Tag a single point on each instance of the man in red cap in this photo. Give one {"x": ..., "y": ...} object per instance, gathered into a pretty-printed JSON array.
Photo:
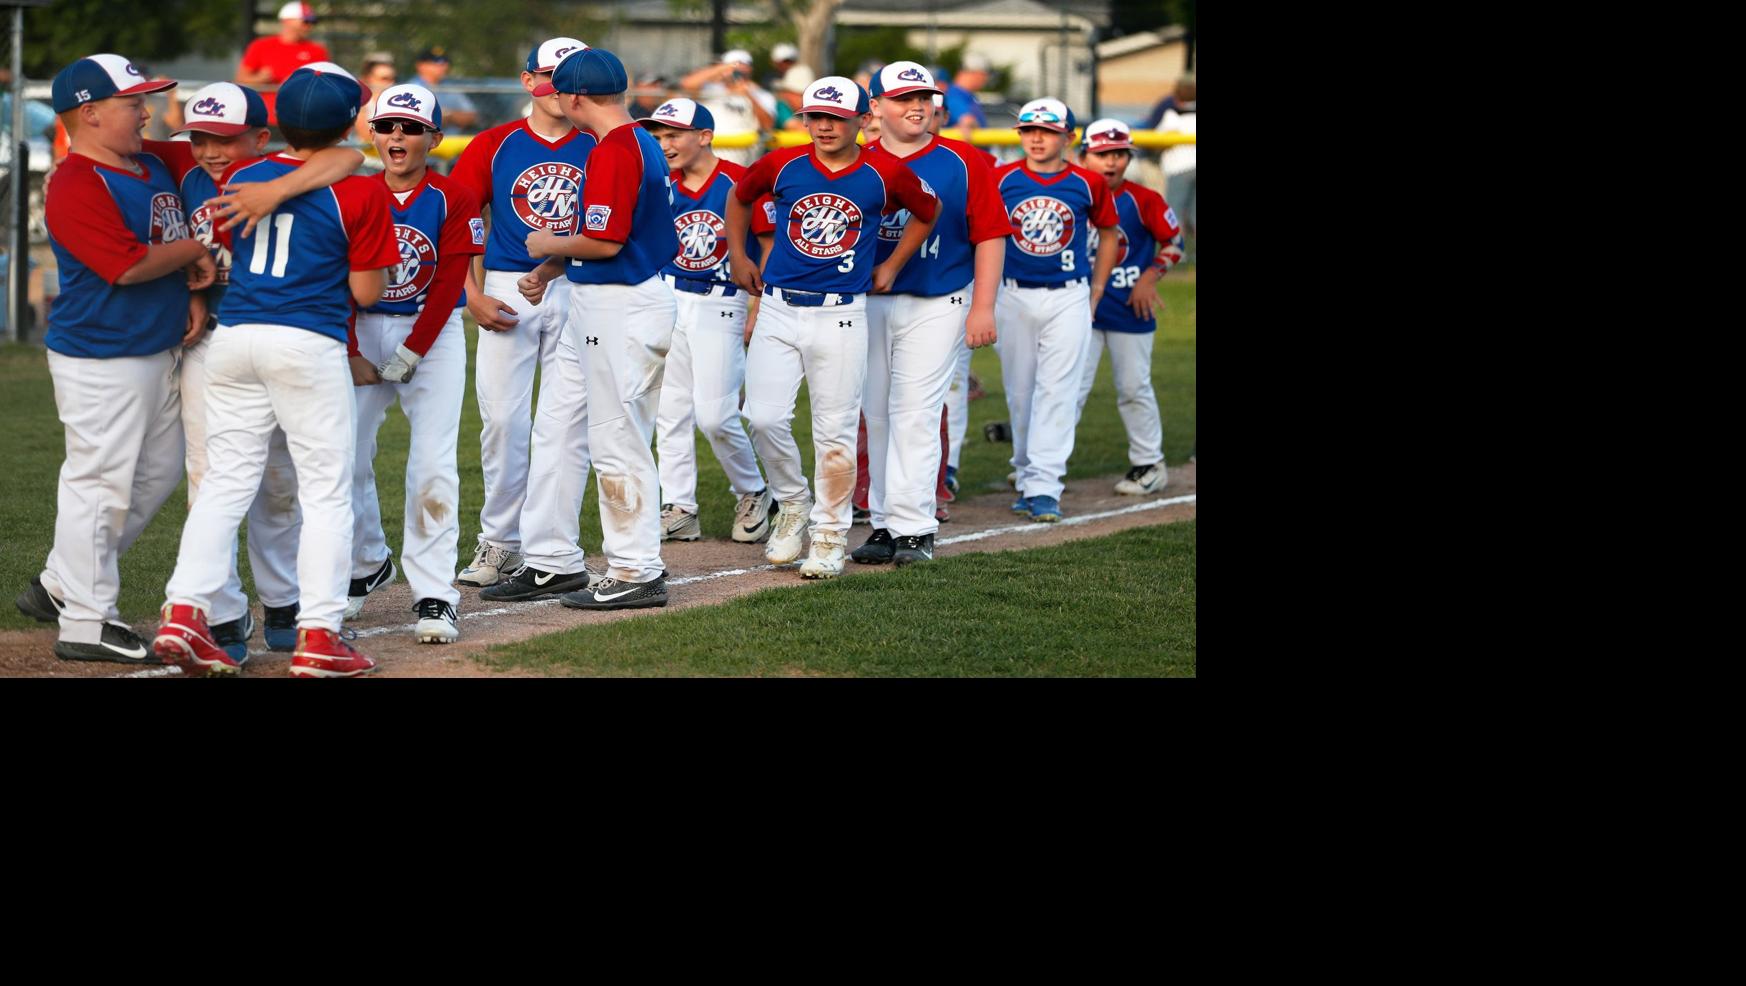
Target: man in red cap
[{"x": 266, "y": 62}]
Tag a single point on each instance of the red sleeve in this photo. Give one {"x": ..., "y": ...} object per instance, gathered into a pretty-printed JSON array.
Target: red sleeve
[
  {"x": 83, "y": 218},
  {"x": 1103, "y": 210},
  {"x": 988, "y": 216},
  {"x": 439, "y": 303},
  {"x": 609, "y": 192},
  {"x": 905, "y": 191},
  {"x": 760, "y": 179},
  {"x": 252, "y": 55},
  {"x": 369, "y": 225},
  {"x": 352, "y": 331},
  {"x": 763, "y": 216},
  {"x": 472, "y": 169},
  {"x": 1158, "y": 218},
  {"x": 179, "y": 155}
]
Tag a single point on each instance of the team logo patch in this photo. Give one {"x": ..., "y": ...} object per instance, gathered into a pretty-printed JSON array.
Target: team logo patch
[
  {"x": 1045, "y": 225},
  {"x": 891, "y": 227},
  {"x": 200, "y": 227},
  {"x": 417, "y": 267},
  {"x": 477, "y": 227},
  {"x": 597, "y": 217},
  {"x": 770, "y": 212},
  {"x": 824, "y": 226},
  {"x": 831, "y": 93},
  {"x": 1094, "y": 237},
  {"x": 1170, "y": 217},
  {"x": 702, "y": 240},
  {"x": 912, "y": 75},
  {"x": 545, "y": 197},
  {"x": 210, "y": 106},
  {"x": 405, "y": 101},
  {"x": 168, "y": 222}
]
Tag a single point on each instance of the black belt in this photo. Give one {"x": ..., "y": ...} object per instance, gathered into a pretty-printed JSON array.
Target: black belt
[
  {"x": 809, "y": 299},
  {"x": 692, "y": 285},
  {"x": 1013, "y": 282}
]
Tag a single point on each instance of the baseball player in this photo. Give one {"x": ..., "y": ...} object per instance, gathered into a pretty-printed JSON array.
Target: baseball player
[
  {"x": 1045, "y": 311},
  {"x": 622, "y": 312},
  {"x": 278, "y": 359},
  {"x": 528, "y": 174},
  {"x": 707, "y": 362},
  {"x": 941, "y": 302},
  {"x": 415, "y": 338},
  {"x": 227, "y": 123},
  {"x": 1124, "y": 323},
  {"x": 813, "y": 321},
  {"x": 121, "y": 242}
]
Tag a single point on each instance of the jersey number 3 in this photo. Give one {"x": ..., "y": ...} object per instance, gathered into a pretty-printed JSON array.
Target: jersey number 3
[{"x": 280, "y": 247}]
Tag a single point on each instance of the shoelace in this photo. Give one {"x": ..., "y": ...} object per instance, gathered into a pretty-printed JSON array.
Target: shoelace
[
  {"x": 747, "y": 511},
  {"x": 911, "y": 541},
  {"x": 434, "y": 609},
  {"x": 1136, "y": 472},
  {"x": 787, "y": 523},
  {"x": 490, "y": 554}
]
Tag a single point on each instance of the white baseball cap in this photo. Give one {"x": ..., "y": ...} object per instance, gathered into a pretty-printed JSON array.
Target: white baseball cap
[
  {"x": 784, "y": 53},
  {"x": 549, "y": 53},
  {"x": 409, "y": 101},
  {"x": 297, "y": 11},
  {"x": 835, "y": 95},
  {"x": 738, "y": 55},
  {"x": 1050, "y": 114},
  {"x": 797, "y": 78},
  {"x": 683, "y": 114},
  {"x": 225, "y": 109},
  {"x": 902, "y": 77},
  {"x": 1108, "y": 135}
]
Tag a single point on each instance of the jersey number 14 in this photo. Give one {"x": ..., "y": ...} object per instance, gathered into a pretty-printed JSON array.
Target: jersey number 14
[{"x": 280, "y": 248}]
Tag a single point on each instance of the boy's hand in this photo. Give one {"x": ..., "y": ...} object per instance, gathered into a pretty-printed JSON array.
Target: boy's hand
[
  {"x": 541, "y": 243},
  {"x": 246, "y": 203},
  {"x": 1145, "y": 296},
  {"x": 746, "y": 276},
  {"x": 531, "y": 286},
  {"x": 491, "y": 314},
  {"x": 197, "y": 317},
  {"x": 751, "y": 316},
  {"x": 1096, "y": 296},
  {"x": 363, "y": 373},
  {"x": 883, "y": 275},
  {"x": 202, "y": 272},
  {"x": 399, "y": 367},
  {"x": 979, "y": 328}
]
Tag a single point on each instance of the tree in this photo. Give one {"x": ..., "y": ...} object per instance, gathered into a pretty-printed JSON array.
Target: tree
[
  {"x": 812, "y": 20},
  {"x": 60, "y": 34}
]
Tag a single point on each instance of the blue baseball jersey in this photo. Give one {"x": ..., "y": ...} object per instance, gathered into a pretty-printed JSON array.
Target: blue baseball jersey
[
  {"x": 1052, "y": 217},
  {"x": 1150, "y": 237},
  {"x": 628, "y": 199},
  {"x": 433, "y": 221},
  {"x": 827, "y": 222},
  {"x": 970, "y": 212},
  {"x": 196, "y": 187},
  {"x": 101, "y": 221},
  {"x": 700, "y": 222},
  {"x": 529, "y": 182},
  {"x": 293, "y": 269}
]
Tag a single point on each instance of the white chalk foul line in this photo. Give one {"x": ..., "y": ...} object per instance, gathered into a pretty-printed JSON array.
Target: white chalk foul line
[{"x": 1029, "y": 527}]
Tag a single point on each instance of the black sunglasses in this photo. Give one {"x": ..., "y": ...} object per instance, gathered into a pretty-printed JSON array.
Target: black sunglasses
[{"x": 410, "y": 128}]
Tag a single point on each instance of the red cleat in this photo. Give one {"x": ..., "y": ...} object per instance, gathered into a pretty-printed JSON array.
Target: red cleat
[
  {"x": 322, "y": 654},
  {"x": 186, "y": 641}
]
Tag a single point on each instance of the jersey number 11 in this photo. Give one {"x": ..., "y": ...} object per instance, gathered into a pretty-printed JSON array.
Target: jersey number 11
[{"x": 281, "y": 246}]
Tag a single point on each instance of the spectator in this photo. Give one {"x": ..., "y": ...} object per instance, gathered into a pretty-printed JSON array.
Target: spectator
[
  {"x": 1180, "y": 99},
  {"x": 739, "y": 105},
  {"x": 864, "y": 75},
  {"x": 432, "y": 66},
  {"x": 783, "y": 57},
  {"x": 378, "y": 75},
  {"x": 789, "y": 93},
  {"x": 1176, "y": 112},
  {"x": 271, "y": 60},
  {"x": 962, "y": 108},
  {"x": 648, "y": 95}
]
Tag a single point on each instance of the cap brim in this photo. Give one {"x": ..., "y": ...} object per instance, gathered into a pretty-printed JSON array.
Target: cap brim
[
  {"x": 219, "y": 129},
  {"x": 1052, "y": 127},
  {"x": 150, "y": 85},
  {"x": 645, "y": 121},
  {"x": 901, "y": 90},
  {"x": 544, "y": 89},
  {"x": 836, "y": 111},
  {"x": 1121, "y": 146}
]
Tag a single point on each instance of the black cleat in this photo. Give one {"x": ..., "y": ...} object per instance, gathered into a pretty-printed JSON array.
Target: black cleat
[
  {"x": 531, "y": 583},
  {"x": 280, "y": 628},
  {"x": 36, "y": 603},
  {"x": 610, "y": 593},
  {"x": 119, "y": 644},
  {"x": 876, "y": 550},
  {"x": 361, "y": 588},
  {"x": 912, "y": 548}
]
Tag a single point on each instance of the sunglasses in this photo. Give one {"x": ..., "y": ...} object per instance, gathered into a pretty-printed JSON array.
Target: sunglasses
[
  {"x": 1040, "y": 116},
  {"x": 410, "y": 128}
]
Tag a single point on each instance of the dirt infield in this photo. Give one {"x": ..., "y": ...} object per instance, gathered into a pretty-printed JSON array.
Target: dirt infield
[{"x": 701, "y": 573}]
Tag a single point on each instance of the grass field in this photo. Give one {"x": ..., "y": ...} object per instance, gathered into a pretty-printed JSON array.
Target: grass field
[{"x": 34, "y": 453}]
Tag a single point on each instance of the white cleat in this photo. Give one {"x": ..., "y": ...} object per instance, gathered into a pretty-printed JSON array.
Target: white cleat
[
  {"x": 1141, "y": 480},
  {"x": 754, "y": 515},
  {"x": 679, "y": 524},
  {"x": 436, "y": 622},
  {"x": 826, "y": 560},
  {"x": 784, "y": 545},
  {"x": 490, "y": 565}
]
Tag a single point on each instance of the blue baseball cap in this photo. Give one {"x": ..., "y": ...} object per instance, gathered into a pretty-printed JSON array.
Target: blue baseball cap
[
  {"x": 589, "y": 72},
  {"x": 319, "y": 96},
  {"x": 225, "y": 109},
  {"x": 97, "y": 77},
  {"x": 547, "y": 54},
  {"x": 681, "y": 114}
]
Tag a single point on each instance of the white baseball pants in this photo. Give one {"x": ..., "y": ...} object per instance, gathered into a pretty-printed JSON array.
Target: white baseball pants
[
  {"x": 551, "y": 526},
  {"x": 274, "y": 520},
  {"x": 431, "y": 401},
  {"x": 827, "y": 347},
  {"x": 123, "y": 423},
  {"x": 259, "y": 377},
  {"x": 503, "y": 374},
  {"x": 912, "y": 350},
  {"x": 1130, "y": 355},
  {"x": 705, "y": 369},
  {"x": 1042, "y": 341},
  {"x": 625, "y": 352},
  {"x": 958, "y": 405}
]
